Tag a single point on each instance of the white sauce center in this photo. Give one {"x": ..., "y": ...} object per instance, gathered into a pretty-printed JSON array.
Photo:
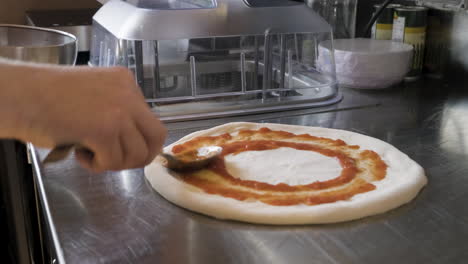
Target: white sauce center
[{"x": 283, "y": 165}]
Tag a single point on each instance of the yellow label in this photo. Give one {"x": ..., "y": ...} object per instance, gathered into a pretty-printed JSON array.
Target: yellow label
[
  {"x": 383, "y": 34},
  {"x": 382, "y": 31},
  {"x": 413, "y": 30},
  {"x": 415, "y": 38},
  {"x": 385, "y": 26}
]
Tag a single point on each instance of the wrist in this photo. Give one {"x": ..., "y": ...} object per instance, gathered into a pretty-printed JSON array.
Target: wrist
[
  {"x": 8, "y": 113},
  {"x": 21, "y": 85}
]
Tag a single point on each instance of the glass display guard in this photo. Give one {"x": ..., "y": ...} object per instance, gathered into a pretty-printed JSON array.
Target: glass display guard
[{"x": 202, "y": 77}]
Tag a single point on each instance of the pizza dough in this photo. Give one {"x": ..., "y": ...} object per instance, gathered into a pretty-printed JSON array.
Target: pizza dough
[{"x": 403, "y": 180}]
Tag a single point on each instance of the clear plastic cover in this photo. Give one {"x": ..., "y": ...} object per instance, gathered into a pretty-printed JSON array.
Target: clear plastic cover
[
  {"x": 441, "y": 3},
  {"x": 223, "y": 75},
  {"x": 173, "y": 4}
]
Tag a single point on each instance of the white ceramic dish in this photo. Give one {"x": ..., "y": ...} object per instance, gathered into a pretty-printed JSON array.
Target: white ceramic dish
[{"x": 367, "y": 63}]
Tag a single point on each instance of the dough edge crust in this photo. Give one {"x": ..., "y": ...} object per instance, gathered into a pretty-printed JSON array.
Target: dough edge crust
[{"x": 398, "y": 189}]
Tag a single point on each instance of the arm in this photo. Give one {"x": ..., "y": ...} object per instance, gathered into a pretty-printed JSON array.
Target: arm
[{"x": 100, "y": 108}]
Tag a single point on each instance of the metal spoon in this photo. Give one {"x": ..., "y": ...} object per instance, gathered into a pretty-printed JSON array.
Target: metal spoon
[{"x": 193, "y": 160}]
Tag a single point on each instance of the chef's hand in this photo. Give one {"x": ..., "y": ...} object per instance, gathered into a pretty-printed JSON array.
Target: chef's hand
[{"x": 99, "y": 108}]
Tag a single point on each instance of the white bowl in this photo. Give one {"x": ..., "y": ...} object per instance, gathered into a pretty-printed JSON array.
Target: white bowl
[{"x": 366, "y": 63}]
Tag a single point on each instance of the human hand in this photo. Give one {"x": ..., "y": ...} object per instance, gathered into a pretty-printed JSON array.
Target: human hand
[{"x": 102, "y": 109}]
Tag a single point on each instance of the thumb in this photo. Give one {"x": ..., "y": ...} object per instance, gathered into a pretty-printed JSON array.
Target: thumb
[{"x": 85, "y": 157}]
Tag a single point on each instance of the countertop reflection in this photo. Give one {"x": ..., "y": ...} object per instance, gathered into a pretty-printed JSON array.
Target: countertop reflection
[{"x": 116, "y": 217}]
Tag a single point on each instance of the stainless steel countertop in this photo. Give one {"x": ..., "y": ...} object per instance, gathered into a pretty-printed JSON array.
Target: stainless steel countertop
[{"x": 116, "y": 217}]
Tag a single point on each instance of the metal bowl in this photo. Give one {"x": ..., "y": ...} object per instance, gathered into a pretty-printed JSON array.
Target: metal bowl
[{"x": 39, "y": 45}]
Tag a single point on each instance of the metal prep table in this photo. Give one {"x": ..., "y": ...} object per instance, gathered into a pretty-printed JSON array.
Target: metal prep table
[{"x": 116, "y": 217}]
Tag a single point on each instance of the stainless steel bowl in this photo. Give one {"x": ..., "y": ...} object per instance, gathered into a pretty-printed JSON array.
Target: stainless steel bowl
[{"x": 40, "y": 45}]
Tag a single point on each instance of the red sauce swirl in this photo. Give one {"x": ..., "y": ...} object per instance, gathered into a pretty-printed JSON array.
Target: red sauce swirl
[{"x": 358, "y": 168}]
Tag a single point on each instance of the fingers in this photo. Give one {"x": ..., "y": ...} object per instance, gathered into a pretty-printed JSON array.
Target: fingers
[
  {"x": 106, "y": 153},
  {"x": 134, "y": 146},
  {"x": 85, "y": 158},
  {"x": 148, "y": 125},
  {"x": 153, "y": 132},
  {"x": 110, "y": 117}
]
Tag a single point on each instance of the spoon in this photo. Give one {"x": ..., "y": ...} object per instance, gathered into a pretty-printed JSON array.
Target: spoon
[
  {"x": 189, "y": 161},
  {"x": 192, "y": 160}
]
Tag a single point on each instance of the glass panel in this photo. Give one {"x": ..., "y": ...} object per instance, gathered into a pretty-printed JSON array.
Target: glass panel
[
  {"x": 173, "y": 4},
  {"x": 271, "y": 3},
  {"x": 234, "y": 74}
]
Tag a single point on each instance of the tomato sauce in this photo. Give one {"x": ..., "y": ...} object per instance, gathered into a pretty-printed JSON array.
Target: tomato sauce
[{"x": 216, "y": 179}]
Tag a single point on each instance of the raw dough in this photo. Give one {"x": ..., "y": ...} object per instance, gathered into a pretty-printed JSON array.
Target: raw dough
[{"x": 403, "y": 181}]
